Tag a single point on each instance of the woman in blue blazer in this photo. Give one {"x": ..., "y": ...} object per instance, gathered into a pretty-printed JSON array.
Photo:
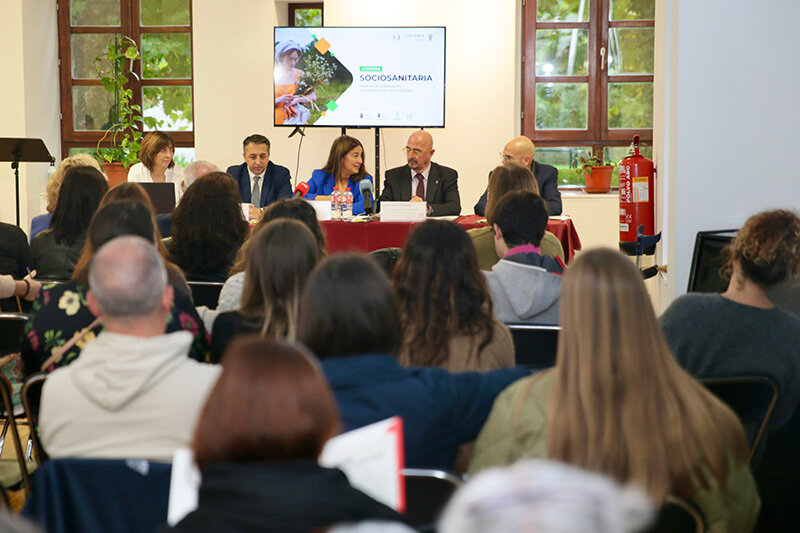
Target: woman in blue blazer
[{"x": 344, "y": 169}]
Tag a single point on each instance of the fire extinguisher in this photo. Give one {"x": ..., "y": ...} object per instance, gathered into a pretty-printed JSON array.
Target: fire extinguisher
[{"x": 636, "y": 201}]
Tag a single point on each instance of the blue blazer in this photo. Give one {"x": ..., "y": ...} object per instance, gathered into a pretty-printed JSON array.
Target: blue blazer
[
  {"x": 277, "y": 183},
  {"x": 322, "y": 183}
]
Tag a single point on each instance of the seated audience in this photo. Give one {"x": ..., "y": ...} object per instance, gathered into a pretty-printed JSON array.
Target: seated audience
[
  {"x": 40, "y": 223},
  {"x": 618, "y": 403},
  {"x": 27, "y": 287},
  {"x": 55, "y": 252},
  {"x": 193, "y": 170},
  {"x": 61, "y": 323},
  {"x": 296, "y": 208},
  {"x": 280, "y": 258},
  {"x": 740, "y": 332},
  {"x": 344, "y": 170},
  {"x": 257, "y": 443},
  {"x": 15, "y": 258},
  {"x": 208, "y": 228},
  {"x": 541, "y": 496},
  {"x": 134, "y": 393},
  {"x": 524, "y": 284},
  {"x": 349, "y": 319},
  {"x": 156, "y": 163},
  {"x": 445, "y": 307},
  {"x": 505, "y": 179}
]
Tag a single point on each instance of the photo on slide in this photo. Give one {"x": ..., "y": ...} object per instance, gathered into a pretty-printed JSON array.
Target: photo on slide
[{"x": 308, "y": 78}]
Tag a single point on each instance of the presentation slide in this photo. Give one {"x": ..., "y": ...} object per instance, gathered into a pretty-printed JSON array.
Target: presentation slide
[{"x": 386, "y": 77}]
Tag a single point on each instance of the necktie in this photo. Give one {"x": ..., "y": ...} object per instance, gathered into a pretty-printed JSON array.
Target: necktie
[
  {"x": 420, "y": 185},
  {"x": 255, "y": 196}
]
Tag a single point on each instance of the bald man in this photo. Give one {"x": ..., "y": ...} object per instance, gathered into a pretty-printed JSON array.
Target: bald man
[
  {"x": 423, "y": 181},
  {"x": 521, "y": 150}
]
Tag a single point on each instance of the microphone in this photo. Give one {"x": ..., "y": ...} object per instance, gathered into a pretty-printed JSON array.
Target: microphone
[
  {"x": 301, "y": 190},
  {"x": 365, "y": 186}
]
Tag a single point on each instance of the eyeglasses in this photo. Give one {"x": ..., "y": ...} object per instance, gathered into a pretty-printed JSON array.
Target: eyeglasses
[
  {"x": 505, "y": 157},
  {"x": 416, "y": 151}
]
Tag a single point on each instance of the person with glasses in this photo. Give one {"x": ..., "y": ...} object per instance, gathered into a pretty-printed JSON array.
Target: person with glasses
[
  {"x": 423, "y": 181},
  {"x": 521, "y": 150}
]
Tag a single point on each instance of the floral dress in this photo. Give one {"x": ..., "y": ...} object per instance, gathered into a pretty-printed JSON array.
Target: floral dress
[{"x": 61, "y": 311}]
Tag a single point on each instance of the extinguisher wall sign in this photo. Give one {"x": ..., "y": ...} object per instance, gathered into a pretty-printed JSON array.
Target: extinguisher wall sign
[{"x": 636, "y": 198}]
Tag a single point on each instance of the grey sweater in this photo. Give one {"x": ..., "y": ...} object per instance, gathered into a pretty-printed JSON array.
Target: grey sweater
[
  {"x": 525, "y": 289},
  {"x": 712, "y": 336}
]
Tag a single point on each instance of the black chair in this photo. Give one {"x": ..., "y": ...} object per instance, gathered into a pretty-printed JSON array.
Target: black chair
[
  {"x": 535, "y": 346},
  {"x": 427, "y": 493},
  {"x": 11, "y": 326},
  {"x": 10, "y": 425},
  {"x": 205, "y": 293},
  {"x": 31, "y": 397},
  {"x": 753, "y": 399},
  {"x": 678, "y": 516}
]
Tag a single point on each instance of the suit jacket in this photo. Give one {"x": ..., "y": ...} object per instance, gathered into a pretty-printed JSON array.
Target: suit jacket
[
  {"x": 276, "y": 186},
  {"x": 441, "y": 192},
  {"x": 547, "y": 180}
]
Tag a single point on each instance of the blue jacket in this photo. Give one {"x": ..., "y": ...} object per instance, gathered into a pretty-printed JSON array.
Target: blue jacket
[
  {"x": 322, "y": 183},
  {"x": 440, "y": 410},
  {"x": 277, "y": 183}
]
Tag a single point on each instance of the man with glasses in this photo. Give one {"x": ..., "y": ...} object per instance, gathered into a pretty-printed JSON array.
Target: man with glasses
[
  {"x": 423, "y": 181},
  {"x": 521, "y": 151}
]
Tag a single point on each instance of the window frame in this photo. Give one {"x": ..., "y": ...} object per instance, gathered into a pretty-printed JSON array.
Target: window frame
[
  {"x": 130, "y": 26},
  {"x": 294, "y": 6}
]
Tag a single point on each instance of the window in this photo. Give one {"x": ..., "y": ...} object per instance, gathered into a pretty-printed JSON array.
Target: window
[
  {"x": 587, "y": 78},
  {"x": 305, "y": 14},
  {"x": 162, "y": 86}
]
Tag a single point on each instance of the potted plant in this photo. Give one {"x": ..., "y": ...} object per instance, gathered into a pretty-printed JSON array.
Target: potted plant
[
  {"x": 596, "y": 172},
  {"x": 114, "y": 68}
]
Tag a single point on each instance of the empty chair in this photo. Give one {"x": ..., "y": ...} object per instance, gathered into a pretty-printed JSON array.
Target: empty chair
[
  {"x": 535, "y": 346},
  {"x": 427, "y": 493},
  {"x": 10, "y": 424},
  {"x": 31, "y": 396},
  {"x": 11, "y": 326}
]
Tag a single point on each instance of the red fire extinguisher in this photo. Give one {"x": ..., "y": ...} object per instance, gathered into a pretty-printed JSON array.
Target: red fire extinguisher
[{"x": 636, "y": 201}]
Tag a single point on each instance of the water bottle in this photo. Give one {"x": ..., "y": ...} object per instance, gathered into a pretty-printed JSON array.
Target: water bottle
[
  {"x": 347, "y": 211},
  {"x": 336, "y": 213}
]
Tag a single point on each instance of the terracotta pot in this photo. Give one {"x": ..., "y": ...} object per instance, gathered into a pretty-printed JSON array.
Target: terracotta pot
[
  {"x": 598, "y": 179},
  {"x": 116, "y": 172}
]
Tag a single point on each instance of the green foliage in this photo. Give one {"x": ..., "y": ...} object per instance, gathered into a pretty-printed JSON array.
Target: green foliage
[
  {"x": 166, "y": 55},
  {"x": 562, "y": 105},
  {"x": 630, "y": 105},
  {"x": 562, "y": 10},
  {"x": 307, "y": 17},
  {"x": 632, "y": 10},
  {"x": 553, "y": 48}
]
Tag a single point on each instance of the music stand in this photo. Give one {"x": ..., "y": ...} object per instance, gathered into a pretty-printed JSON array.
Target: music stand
[{"x": 23, "y": 151}]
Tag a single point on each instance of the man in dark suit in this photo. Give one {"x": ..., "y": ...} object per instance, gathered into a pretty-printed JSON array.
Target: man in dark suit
[
  {"x": 261, "y": 181},
  {"x": 521, "y": 151},
  {"x": 423, "y": 181}
]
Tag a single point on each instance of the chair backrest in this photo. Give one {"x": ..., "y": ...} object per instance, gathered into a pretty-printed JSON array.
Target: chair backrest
[
  {"x": 678, "y": 516},
  {"x": 752, "y": 398},
  {"x": 11, "y": 326},
  {"x": 10, "y": 426},
  {"x": 535, "y": 346},
  {"x": 205, "y": 293},
  {"x": 31, "y": 396},
  {"x": 99, "y": 495},
  {"x": 427, "y": 493}
]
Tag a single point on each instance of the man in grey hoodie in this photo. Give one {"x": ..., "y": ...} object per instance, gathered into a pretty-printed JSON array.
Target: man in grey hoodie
[
  {"x": 524, "y": 284},
  {"x": 133, "y": 393}
]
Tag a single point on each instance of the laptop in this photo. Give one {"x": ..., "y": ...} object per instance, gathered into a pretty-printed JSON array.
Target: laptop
[{"x": 162, "y": 195}]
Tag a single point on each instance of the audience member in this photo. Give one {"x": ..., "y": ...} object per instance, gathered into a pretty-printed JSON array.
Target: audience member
[
  {"x": 27, "y": 287},
  {"x": 422, "y": 181},
  {"x": 524, "y": 284},
  {"x": 257, "y": 443},
  {"x": 295, "y": 208},
  {"x": 15, "y": 257},
  {"x": 156, "y": 162},
  {"x": 445, "y": 307},
  {"x": 344, "y": 170},
  {"x": 193, "y": 170},
  {"x": 261, "y": 181},
  {"x": 42, "y": 222},
  {"x": 133, "y": 191},
  {"x": 541, "y": 496},
  {"x": 349, "y": 319},
  {"x": 208, "y": 228},
  {"x": 55, "y": 251},
  {"x": 618, "y": 403},
  {"x": 279, "y": 260},
  {"x": 133, "y": 393},
  {"x": 61, "y": 321},
  {"x": 503, "y": 180},
  {"x": 521, "y": 151}
]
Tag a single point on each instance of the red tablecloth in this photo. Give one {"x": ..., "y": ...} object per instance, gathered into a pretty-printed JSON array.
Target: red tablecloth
[{"x": 367, "y": 236}]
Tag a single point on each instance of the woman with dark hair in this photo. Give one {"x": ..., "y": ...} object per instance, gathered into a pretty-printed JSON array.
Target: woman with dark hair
[
  {"x": 437, "y": 282},
  {"x": 61, "y": 322},
  {"x": 257, "y": 443},
  {"x": 156, "y": 163},
  {"x": 55, "y": 251},
  {"x": 208, "y": 228},
  {"x": 280, "y": 258},
  {"x": 344, "y": 170},
  {"x": 295, "y": 208},
  {"x": 349, "y": 319},
  {"x": 618, "y": 403}
]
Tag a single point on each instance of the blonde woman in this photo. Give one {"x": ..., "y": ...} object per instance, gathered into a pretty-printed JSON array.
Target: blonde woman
[{"x": 618, "y": 403}]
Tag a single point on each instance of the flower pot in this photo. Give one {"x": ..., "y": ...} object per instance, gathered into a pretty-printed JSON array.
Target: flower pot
[
  {"x": 598, "y": 179},
  {"x": 116, "y": 172}
]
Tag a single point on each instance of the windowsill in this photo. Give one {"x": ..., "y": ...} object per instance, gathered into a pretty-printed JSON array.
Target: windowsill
[{"x": 576, "y": 191}]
